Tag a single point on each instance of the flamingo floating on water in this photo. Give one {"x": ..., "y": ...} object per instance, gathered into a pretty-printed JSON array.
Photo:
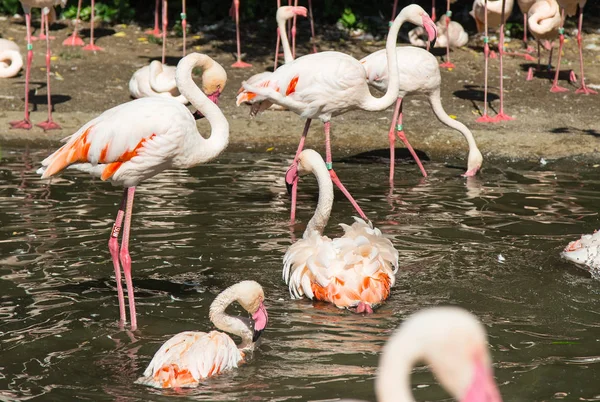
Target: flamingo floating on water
[
  {"x": 354, "y": 271},
  {"x": 571, "y": 7},
  {"x": 139, "y": 139},
  {"x": 11, "y": 61},
  {"x": 328, "y": 84},
  {"x": 452, "y": 342},
  {"x": 419, "y": 73},
  {"x": 45, "y": 5},
  {"x": 585, "y": 251},
  {"x": 189, "y": 357}
]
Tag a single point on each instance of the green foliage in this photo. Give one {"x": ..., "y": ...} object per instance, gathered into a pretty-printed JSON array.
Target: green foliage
[
  {"x": 115, "y": 10},
  {"x": 10, "y": 7}
]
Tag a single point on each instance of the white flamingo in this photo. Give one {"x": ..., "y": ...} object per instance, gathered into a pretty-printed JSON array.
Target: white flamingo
[
  {"x": 544, "y": 23},
  {"x": 524, "y": 6},
  {"x": 11, "y": 61},
  {"x": 139, "y": 139},
  {"x": 458, "y": 36},
  {"x": 452, "y": 342},
  {"x": 419, "y": 73},
  {"x": 355, "y": 271},
  {"x": 585, "y": 251},
  {"x": 327, "y": 84},
  {"x": 189, "y": 357},
  {"x": 156, "y": 79}
]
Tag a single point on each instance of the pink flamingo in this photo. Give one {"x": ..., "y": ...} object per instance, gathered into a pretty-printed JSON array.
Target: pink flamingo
[
  {"x": 139, "y": 139},
  {"x": 235, "y": 10},
  {"x": 544, "y": 23},
  {"x": 293, "y": 32},
  {"x": 156, "y": 31},
  {"x": 190, "y": 357},
  {"x": 452, "y": 342},
  {"x": 492, "y": 13},
  {"x": 355, "y": 271},
  {"x": 524, "y": 6},
  {"x": 419, "y": 73},
  {"x": 45, "y": 5},
  {"x": 328, "y": 84},
  {"x": 11, "y": 61},
  {"x": 571, "y": 7}
]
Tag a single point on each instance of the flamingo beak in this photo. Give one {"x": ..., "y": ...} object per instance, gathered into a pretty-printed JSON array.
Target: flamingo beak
[
  {"x": 261, "y": 318},
  {"x": 431, "y": 29},
  {"x": 483, "y": 387},
  {"x": 214, "y": 97},
  {"x": 301, "y": 11},
  {"x": 291, "y": 176}
]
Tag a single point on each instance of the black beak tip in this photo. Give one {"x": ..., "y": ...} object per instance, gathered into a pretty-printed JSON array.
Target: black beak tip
[
  {"x": 433, "y": 43},
  {"x": 256, "y": 335},
  {"x": 289, "y": 187}
]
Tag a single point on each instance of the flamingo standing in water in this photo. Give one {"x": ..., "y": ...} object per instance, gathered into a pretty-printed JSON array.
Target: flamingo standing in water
[
  {"x": 544, "y": 23},
  {"x": 419, "y": 73},
  {"x": 354, "y": 271},
  {"x": 11, "y": 61},
  {"x": 139, "y": 139},
  {"x": 328, "y": 84},
  {"x": 585, "y": 251},
  {"x": 156, "y": 31},
  {"x": 571, "y": 7},
  {"x": 280, "y": 29},
  {"x": 452, "y": 342},
  {"x": 189, "y": 357},
  {"x": 45, "y": 5},
  {"x": 492, "y": 13}
]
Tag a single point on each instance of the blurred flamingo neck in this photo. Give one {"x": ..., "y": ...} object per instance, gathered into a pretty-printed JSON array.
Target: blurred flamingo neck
[
  {"x": 227, "y": 323},
  {"x": 204, "y": 149},
  {"x": 16, "y": 63},
  {"x": 393, "y": 376},
  {"x": 285, "y": 43},
  {"x": 325, "y": 202}
]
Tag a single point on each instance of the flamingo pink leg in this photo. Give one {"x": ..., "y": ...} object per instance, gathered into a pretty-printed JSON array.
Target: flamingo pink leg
[
  {"x": 92, "y": 47},
  {"x": 501, "y": 116},
  {"x": 334, "y": 176},
  {"x": 294, "y": 32},
  {"x": 26, "y": 123},
  {"x": 394, "y": 8},
  {"x": 165, "y": 23},
  {"x": 239, "y": 63},
  {"x": 278, "y": 41},
  {"x": 74, "y": 39},
  {"x": 312, "y": 26},
  {"x": 156, "y": 31},
  {"x": 48, "y": 124},
  {"x": 45, "y": 30},
  {"x": 392, "y": 139},
  {"x": 113, "y": 246},
  {"x": 183, "y": 24},
  {"x": 485, "y": 118},
  {"x": 433, "y": 16},
  {"x": 400, "y": 133},
  {"x": 448, "y": 63},
  {"x": 292, "y": 174},
  {"x": 528, "y": 48},
  {"x": 583, "y": 89},
  {"x": 561, "y": 40},
  {"x": 126, "y": 258}
]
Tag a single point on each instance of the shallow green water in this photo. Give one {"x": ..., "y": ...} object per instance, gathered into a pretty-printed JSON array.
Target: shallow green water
[{"x": 196, "y": 232}]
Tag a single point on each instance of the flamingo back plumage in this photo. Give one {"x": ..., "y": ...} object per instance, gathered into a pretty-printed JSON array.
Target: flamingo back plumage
[
  {"x": 585, "y": 251},
  {"x": 189, "y": 357},
  {"x": 358, "y": 267}
]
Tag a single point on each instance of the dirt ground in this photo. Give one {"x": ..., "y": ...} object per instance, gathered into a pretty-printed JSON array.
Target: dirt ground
[{"x": 546, "y": 124}]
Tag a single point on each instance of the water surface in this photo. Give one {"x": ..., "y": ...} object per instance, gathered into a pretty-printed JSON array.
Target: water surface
[{"x": 196, "y": 232}]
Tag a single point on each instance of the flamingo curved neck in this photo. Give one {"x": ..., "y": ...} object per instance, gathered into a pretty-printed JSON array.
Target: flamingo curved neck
[
  {"x": 392, "y": 383},
  {"x": 205, "y": 149},
  {"x": 227, "y": 323},
  {"x": 285, "y": 43},
  {"x": 374, "y": 104},
  {"x": 325, "y": 202},
  {"x": 16, "y": 63},
  {"x": 543, "y": 21}
]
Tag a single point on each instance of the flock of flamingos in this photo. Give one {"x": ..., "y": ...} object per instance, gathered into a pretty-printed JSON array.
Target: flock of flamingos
[{"x": 139, "y": 139}]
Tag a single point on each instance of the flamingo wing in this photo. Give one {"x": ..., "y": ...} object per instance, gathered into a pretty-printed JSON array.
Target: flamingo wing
[
  {"x": 189, "y": 357},
  {"x": 146, "y": 130}
]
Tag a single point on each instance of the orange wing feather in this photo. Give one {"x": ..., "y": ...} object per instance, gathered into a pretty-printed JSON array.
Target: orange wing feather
[{"x": 292, "y": 86}]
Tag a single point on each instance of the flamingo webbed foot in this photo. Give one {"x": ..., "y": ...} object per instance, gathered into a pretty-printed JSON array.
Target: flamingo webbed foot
[
  {"x": 24, "y": 124},
  {"x": 241, "y": 64},
  {"x": 447, "y": 64},
  {"x": 73, "y": 40},
  {"x": 363, "y": 307},
  {"x": 93, "y": 48},
  {"x": 585, "y": 90},
  {"x": 485, "y": 119},
  {"x": 556, "y": 88},
  {"x": 502, "y": 117},
  {"x": 49, "y": 125}
]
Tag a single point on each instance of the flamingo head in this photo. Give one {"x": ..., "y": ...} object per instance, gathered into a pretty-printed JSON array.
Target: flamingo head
[
  {"x": 416, "y": 15},
  {"x": 251, "y": 297},
  {"x": 214, "y": 79},
  {"x": 291, "y": 176},
  {"x": 430, "y": 27},
  {"x": 288, "y": 12},
  {"x": 474, "y": 164}
]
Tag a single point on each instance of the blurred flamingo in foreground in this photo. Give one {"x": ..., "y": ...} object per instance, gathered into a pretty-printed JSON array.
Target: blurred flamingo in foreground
[
  {"x": 189, "y": 357},
  {"x": 354, "y": 271},
  {"x": 452, "y": 342},
  {"x": 419, "y": 73},
  {"x": 139, "y": 139},
  {"x": 571, "y": 7},
  {"x": 45, "y": 5},
  {"x": 11, "y": 61},
  {"x": 585, "y": 251},
  {"x": 328, "y": 84}
]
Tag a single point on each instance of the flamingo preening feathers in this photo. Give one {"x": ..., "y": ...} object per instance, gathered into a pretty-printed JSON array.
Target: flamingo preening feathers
[
  {"x": 11, "y": 61},
  {"x": 327, "y": 84},
  {"x": 189, "y": 357},
  {"x": 139, "y": 139},
  {"x": 544, "y": 22},
  {"x": 354, "y": 271},
  {"x": 155, "y": 79}
]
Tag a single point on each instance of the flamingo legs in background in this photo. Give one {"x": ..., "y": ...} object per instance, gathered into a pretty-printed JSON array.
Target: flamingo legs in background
[
  {"x": 156, "y": 30},
  {"x": 26, "y": 122},
  {"x": 583, "y": 89},
  {"x": 183, "y": 24},
  {"x": 447, "y": 63},
  {"x": 165, "y": 22},
  {"x": 239, "y": 63},
  {"x": 92, "y": 46},
  {"x": 293, "y": 32},
  {"x": 74, "y": 39},
  {"x": 501, "y": 115},
  {"x": 485, "y": 118}
]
